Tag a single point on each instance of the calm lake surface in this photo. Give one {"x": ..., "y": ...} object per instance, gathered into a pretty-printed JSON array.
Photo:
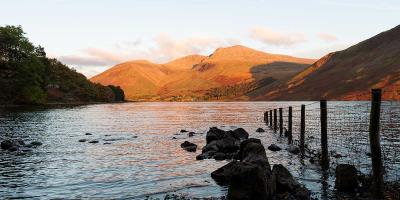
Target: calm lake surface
[{"x": 136, "y": 156}]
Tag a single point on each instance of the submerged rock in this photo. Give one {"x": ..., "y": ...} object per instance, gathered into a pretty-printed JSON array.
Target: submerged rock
[
  {"x": 94, "y": 141},
  {"x": 274, "y": 147},
  {"x": 346, "y": 178},
  {"x": 36, "y": 143},
  {"x": 7, "y": 144},
  {"x": 188, "y": 146},
  {"x": 293, "y": 149},
  {"x": 82, "y": 140},
  {"x": 88, "y": 134},
  {"x": 184, "y": 131}
]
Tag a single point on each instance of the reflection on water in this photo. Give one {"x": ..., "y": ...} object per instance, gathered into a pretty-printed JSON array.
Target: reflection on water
[{"x": 142, "y": 159}]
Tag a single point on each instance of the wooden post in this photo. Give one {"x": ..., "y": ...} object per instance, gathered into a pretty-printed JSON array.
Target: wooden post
[
  {"x": 324, "y": 135},
  {"x": 266, "y": 117},
  {"x": 302, "y": 129},
  {"x": 280, "y": 122},
  {"x": 270, "y": 118},
  {"x": 275, "y": 121},
  {"x": 290, "y": 138},
  {"x": 375, "y": 146}
]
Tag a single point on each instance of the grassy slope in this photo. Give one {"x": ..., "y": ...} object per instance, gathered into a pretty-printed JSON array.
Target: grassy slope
[{"x": 348, "y": 74}]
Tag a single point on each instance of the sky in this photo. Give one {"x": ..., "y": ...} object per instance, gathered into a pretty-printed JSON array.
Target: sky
[{"x": 93, "y": 35}]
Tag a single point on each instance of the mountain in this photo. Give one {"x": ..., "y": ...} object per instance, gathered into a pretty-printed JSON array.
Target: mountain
[
  {"x": 348, "y": 74},
  {"x": 225, "y": 74}
]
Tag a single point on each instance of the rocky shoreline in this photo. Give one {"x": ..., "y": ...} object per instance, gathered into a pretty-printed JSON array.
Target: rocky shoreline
[{"x": 249, "y": 175}]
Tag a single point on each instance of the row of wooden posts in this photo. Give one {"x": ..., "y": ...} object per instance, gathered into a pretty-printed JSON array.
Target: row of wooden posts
[{"x": 271, "y": 119}]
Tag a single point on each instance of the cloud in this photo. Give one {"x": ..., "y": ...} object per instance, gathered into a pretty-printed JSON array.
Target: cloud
[
  {"x": 327, "y": 37},
  {"x": 270, "y": 37},
  {"x": 167, "y": 48}
]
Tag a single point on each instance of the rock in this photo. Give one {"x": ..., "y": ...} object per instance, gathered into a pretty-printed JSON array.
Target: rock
[
  {"x": 346, "y": 178},
  {"x": 293, "y": 149},
  {"x": 214, "y": 134},
  {"x": 174, "y": 138},
  {"x": 7, "y": 144},
  {"x": 188, "y": 146},
  {"x": 274, "y": 147},
  {"x": 184, "y": 131},
  {"x": 252, "y": 151},
  {"x": 212, "y": 146},
  {"x": 241, "y": 134},
  {"x": 94, "y": 141},
  {"x": 285, "y": 183},
  {"x": 219, "y": 156},
  {"x": 88, "y": 134},
  {"x": 107, "y": 143},
  {"x": 36, "y": 143},
  {"x": 206, "y": 155},
  {"x": 260, "y": 130},
  {"x": 191, "y": 134},
  {"x": 135, "y": 136},
  {"x": 251, "y": 182},
  {"x": 228, "y": 144},
  {"x": 82, "y": 140},
  {"x": 337, "y": 155}
]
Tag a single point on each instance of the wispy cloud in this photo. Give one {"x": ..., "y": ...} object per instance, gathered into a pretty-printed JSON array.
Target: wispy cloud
[
  {"x": 327, "y": 37},
  {"x": 271, "y": 37}
]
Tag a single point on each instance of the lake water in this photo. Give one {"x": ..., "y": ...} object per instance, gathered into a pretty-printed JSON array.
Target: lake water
[{"x": 136, "y": 156}]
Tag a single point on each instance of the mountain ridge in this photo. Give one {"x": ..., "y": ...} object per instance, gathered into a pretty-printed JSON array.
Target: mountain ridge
[{"x": 193, "y": 75}]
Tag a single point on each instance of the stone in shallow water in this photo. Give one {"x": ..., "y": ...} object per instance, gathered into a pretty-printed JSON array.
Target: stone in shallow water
[
  {"x": 36, "y": 143},
  {"x": 346, "y": 178},
  {"x": 260, "y": 130},
  {"x": 188, "y": 146},
  {"x": 94, "y": 141},
  {"x": 88, "y": 134},
  {"x": 274, "y": 147},
  {"x": 82, "y": 140}
]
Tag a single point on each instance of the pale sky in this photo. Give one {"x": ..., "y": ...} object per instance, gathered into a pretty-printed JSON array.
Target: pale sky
[{"x": 93, "y": 35}]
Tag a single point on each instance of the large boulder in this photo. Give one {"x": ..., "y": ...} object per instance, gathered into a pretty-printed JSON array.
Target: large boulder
[
  {"x": 346, "y": 178},
  {"x": 240, "y": 134},
  {"x": 250, "y": 181},
  {"x": 251, "y": 178},
  {"x": 214, "y": 134},
  {"x": 251, "y": 150},
  {"x": 285, "y": 183}
]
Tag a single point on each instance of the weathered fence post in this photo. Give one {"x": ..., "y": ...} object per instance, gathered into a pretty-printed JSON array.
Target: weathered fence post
[
  {"x": 270, "y": 118},
  {"x": 302, "y": 128},
  {"x": 280, "y": 122},
  {"x": 266, "y": 118},
  {"x": 324, "y": 135},
  {"x": 290, "y": 138},
  {"x": 377, "y": 166},
  {"x": 275, "y": 121}
]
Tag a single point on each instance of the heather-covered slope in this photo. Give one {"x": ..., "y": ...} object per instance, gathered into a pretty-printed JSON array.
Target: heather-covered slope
[{"x": 348, "y": 74}]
